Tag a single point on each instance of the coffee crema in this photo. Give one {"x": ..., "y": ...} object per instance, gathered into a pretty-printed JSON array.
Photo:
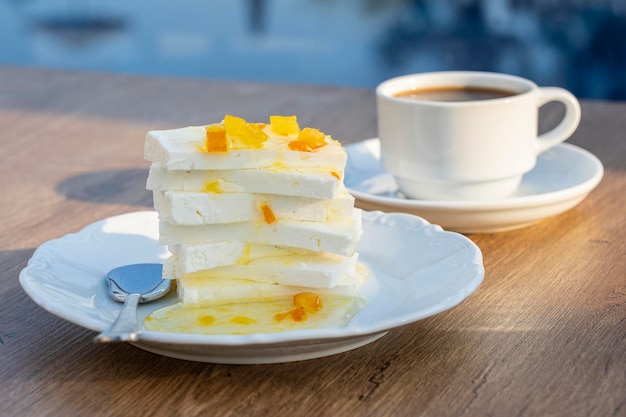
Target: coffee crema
[{"x": 455, "y": 93}]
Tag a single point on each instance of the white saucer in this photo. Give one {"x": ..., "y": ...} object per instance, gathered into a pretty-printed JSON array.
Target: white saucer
[
  {"x": 66, "y": 276},
  {"x": 562, "y": 178}
]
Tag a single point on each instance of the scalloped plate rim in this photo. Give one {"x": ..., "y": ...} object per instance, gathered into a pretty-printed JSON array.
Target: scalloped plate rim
[{"x": 28, "y": 281}]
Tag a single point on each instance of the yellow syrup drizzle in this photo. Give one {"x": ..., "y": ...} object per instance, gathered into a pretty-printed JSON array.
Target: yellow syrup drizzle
[
  {"x": 213, "y": 187},
  {"x": 263, "y": 315}
]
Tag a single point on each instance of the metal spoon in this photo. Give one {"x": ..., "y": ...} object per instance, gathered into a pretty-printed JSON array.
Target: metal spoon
[{"x": 132, "y": 284}]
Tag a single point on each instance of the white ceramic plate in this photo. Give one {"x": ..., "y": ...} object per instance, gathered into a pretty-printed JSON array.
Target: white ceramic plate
[
  {"x": 417, "y": 270},
  {"x": 562, "y": 178}
]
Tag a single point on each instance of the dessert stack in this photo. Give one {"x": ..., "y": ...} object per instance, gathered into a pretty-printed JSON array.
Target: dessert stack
[{"x": 253, "y": 211}]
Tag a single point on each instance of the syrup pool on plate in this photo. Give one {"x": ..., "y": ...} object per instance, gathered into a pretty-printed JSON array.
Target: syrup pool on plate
[{"x": 303, "y": 311}]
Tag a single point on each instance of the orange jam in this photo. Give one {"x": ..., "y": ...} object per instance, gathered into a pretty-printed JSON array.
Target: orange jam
[
  {"x": 308, "y": 140},
  {"x": 306, "y": 303},
  {"x": 268, "y": 214}
]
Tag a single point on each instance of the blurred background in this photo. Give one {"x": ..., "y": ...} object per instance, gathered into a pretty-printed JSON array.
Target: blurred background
[{"x": 576, "y": 44}]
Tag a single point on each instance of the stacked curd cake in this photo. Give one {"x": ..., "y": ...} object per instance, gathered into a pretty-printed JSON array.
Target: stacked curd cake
[{"x": 258, "y": 223}]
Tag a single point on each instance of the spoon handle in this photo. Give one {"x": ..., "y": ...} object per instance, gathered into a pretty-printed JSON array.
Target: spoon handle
[{"x": 125, "y": 328}]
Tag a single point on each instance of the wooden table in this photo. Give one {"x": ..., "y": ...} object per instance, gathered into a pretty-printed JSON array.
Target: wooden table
[{"x": 544, "y": 335}]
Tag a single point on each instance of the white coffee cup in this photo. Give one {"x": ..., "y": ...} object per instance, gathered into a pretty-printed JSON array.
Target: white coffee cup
[{"x": 471, "y": 149}]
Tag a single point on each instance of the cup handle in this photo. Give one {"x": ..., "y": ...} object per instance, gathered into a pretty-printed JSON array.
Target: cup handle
[{"x": 570, "y": 121}]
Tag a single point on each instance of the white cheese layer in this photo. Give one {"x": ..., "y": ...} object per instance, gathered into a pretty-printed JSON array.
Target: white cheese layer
[
  {"x": 195, "y": 291},
  {"x": 323, "y": 270},
  {"x": 339, "y": 237},
  {"x": 281, "y": 180},
  {"x": 190, "y": 258},
  {"x": 185, "y": 259},
  {"x": 197, "y": 208},
  {"x": 183, "y": 149}
]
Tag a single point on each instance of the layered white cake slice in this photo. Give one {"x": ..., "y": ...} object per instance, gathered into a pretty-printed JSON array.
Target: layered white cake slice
[
  {"x": 196, "y": 208},
  {"x": 339, "y": 237},
  {"x": 277, "y": 179},
  {"x": 254, "y": 145},
  {"x": 254, "y": 211}
]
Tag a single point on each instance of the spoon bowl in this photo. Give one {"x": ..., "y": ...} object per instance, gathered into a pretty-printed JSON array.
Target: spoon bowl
[{"x": 132, "y": 285}]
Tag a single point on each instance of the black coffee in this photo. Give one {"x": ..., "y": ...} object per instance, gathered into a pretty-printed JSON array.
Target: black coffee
[{"x": 455, "y": 93}]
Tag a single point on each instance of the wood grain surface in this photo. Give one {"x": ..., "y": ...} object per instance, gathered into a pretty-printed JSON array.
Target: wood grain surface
[{"x": 544, "y": 335}]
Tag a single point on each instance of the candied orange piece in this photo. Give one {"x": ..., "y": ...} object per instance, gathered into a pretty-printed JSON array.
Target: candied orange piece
[
  {"x": 308, "y": 140},
  {"x": 242, "y": 134},
  {"x": 296, "y": 145},
  {"x": 254, "y": 137},
  {"x": 268, "y": 214},
  {"x": 284, "y": 125},
  {"x": 216, "y": 140},
  {"x": 310, "y": 302},
  {"x": 233, "y": 123},
  {"x": 297, "y": 314},
  {"x": 305, "y": 302}
]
